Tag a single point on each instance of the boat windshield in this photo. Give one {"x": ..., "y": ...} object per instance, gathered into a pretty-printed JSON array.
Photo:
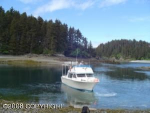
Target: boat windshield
[
  {"x": 70, "y": 75},
  {"x": 80, "y": 75},
  {"x": 89, "y": 75}
]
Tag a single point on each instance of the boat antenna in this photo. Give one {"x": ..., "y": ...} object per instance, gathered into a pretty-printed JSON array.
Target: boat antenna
[
  {"x": 90, "y": 60},
  {"x": 76, "y": 55}
]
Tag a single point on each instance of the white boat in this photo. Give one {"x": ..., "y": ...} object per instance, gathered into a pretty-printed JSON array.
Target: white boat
[{"x": 80, "y": 77}]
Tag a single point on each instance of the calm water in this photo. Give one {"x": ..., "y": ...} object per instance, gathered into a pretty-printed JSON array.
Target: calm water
[{"x": 121, "y": 86}]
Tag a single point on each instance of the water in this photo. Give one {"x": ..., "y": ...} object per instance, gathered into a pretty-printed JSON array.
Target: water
[{"x": 121, "y": 86}]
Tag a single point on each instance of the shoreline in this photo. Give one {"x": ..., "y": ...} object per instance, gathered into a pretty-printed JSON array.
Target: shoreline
[
  {"x": 46, "y": 60},
  {"x": 32, "y": 60},
  {"x": 68, "y": 109},
  {"x": 36, "y": 58},
  {"x": 140, "y": 61}
]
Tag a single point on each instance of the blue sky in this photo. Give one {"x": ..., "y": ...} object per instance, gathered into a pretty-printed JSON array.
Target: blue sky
[{"x": 98, "y": 20}]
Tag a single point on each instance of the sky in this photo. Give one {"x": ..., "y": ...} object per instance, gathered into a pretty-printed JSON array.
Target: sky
[{"x": 99, "y": 21}]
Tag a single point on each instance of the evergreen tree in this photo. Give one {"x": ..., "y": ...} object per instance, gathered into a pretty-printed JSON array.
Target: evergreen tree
[
  {"x": 15, "y": 34},
  {"x": 91, "y": 50},
  {"x": 23, "y": 27},
  {"x": 22, "y": 34},
  {"x": 124, "y": 48},
  {"x": 2, "y": 26}
]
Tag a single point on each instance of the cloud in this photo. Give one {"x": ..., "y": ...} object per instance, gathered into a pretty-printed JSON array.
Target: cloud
[
  {"x": 85, "y": 5},
  {"x": 54, "y": 5},
  {"x": 29, "y": 1},
  {"x": 106, "y": 3}
]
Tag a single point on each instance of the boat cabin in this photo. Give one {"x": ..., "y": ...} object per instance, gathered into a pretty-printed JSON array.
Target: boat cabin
[{"x": 78, "y": 71}]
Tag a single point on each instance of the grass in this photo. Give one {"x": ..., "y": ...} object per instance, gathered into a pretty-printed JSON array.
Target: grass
[
  {"x": 21, "y": 62},
  {"x": 145, "y": 68}
]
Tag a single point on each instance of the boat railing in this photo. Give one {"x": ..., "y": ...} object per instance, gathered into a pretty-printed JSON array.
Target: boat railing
[
  {"x": 82, "y": 65},
  {"x": 64, "y": 69}
]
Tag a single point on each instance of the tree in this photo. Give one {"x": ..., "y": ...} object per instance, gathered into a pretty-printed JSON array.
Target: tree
[
  {"x": 15, "y": 34},
  {"x": 124, "y": 48},
  {"x": 22, "y": 34},
  {"x": 23, "y": 27},
  {"x": 91, "y": 50},
  {"x": 2, "y": 27}
]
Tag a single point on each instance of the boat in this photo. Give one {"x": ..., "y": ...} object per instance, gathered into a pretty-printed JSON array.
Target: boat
[{"x": 79, "y": 76}]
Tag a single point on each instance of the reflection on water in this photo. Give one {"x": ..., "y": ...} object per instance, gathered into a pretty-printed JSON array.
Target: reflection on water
[
  {"x": 21, "y": 83},
  {"x": 77, "y": 97},
  {"x": 145, "y": 72},
  {"x": 17, "y": 76},
  {"x": 126, "y": 73},
  {"x": 121, "y": 86},
  {"x": 133, "y": 65}
]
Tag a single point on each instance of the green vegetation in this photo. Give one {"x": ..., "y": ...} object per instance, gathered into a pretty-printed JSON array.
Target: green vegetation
[
  {"x": 145, "y": 68},
  {"x": 21, "y": 62},
  {"x": 22, "y": 34},
  {"x": 126, "y": 49}
]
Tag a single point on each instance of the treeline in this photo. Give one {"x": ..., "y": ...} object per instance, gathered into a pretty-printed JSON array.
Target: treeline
[
  {"x": 131, "y": 49},
  {"x": 22, "y": 34}
]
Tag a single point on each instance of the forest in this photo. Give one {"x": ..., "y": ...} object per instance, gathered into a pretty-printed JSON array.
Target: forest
[
  {"x": 126, "y": 49},
  {"x": 21, "y": 34}
]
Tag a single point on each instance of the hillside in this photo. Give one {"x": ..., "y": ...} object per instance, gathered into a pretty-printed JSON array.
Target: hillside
[{"x": 127, "y": 49}]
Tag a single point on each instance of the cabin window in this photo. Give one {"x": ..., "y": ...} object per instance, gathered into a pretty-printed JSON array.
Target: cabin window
[
  {"x": 70, "y": 75},
  {"x": 89, "y": 75},
  {"x": 74, "y": 76},
  {"x": 81, "y": 75}
]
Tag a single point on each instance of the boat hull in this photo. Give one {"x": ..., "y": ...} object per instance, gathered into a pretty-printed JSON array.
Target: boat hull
[{"x": 80, "y": 85}]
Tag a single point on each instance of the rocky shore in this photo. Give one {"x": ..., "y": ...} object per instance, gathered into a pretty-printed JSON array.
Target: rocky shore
[
  {"x": 145, "y": 68},
  {"x": 46, "y": 60},
  {"x": 4, "y": 108},
  {"x": 70, "y": 109}
]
